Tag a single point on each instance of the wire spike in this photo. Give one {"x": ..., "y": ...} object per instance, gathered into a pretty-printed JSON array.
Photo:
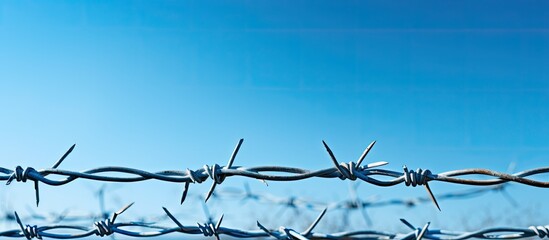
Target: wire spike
[
  {"x": 170, "y": 215},
  {"x": 64, "y": 156},
  {"x": 423, "y": 231},
  {"x": 122, "y": 210},
  {"x": 266, "y": 230},
  {"x": 185, "y": 192},
  {"x": 36, "y": 193},
  {"x": 376, "y": 164},
  {"x": 209, "y": 194},
  {"x": 334, "y": 160},
  {"x": 229, "y": 165},
  {"x": 218, "y": 224},
  {"x": 408, "y": 224},
  {"x": 313, "y": 225},
  {"x": 20, "y": 224},
  {"x": 366, "y": 151},
  {"x": 432, "y": 196},
  {"x": 233, "y": 155}
]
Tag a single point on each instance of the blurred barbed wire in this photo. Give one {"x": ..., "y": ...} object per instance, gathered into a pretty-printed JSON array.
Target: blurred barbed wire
[
  {"x": 109, "y": 227},
  {"x": 352, "y": 203}
]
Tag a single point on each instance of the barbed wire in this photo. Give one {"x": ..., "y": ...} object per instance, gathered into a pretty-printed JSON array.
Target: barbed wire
[
  {"x": 343, "y": 171},
  {"x": 351, "y": 203},
  {"x": 109, "y": 227}
]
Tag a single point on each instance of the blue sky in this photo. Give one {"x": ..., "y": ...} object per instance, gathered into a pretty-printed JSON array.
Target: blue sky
[{"x": 162, "y": 85}]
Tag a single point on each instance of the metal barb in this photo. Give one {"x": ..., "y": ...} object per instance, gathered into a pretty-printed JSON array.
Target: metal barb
[
  {"x": 366, "y": 151},
  {"x": 432, "y": 196},
  {"x": 229, "y": 165},
  {"x": 170, "y": 215},
  {"x": 313, "y": 225},
  {"x": 64, "y": 156},
  {"x": 120, "y": 211},
  {"x": 334, "y": 160},
  {"x": 423, "y": 231}
]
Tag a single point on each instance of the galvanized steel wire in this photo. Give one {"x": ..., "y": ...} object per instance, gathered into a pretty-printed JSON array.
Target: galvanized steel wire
[{"x": 351, "y": 171}]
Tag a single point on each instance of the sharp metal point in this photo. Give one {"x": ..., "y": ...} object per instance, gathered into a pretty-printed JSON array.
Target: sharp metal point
[
  {"x": 334, "y": 160},
  {"x": 262, "y": 227},
  {"x": 423, "y": 231},
  {"x": 229, "y": 165},
  {"x": 408, "y": 224},
  {"x": 170, "y": 215},
  {"x": 36, "y": 193},
  {"x": 218, "y": 224},
  {"x": 185, "y": 192},
  {"x": 120, "y": 211},
  {"x": 18, "y": 219},
  {"x": 317, "y": 220},
  {"x": 64, "y": 156},
  {"x": 20, "y": 223},
  {"x": 123, "y": 209},
  {"x": 376, "y": 164},
  {"x": 233, "y": 155},
  {"x": 209, "y": 194},
  {"x": 432, "y": 196},
  {"x": 366, "y": 151},
  {"x": 266, "y": 230}
]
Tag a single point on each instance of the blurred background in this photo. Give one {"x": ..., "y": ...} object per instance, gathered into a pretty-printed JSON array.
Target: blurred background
[{"x": 159, "y": 85}]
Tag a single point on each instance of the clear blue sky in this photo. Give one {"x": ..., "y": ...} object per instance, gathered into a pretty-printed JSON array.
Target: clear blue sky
[{"x": 162, "y": 85}]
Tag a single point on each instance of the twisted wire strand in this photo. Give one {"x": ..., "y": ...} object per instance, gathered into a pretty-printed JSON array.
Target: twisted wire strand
[
  {"x": 351, "y": 171},
  {"x": 108, "y": 227},
  {"x": 290, "y": 202},
  {"x": 350, "y": 203}
]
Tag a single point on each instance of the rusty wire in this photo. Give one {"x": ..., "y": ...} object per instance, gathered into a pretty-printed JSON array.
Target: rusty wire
[
  {"x": 351, "y": 171},
  {"x": 109, "y": 227}
]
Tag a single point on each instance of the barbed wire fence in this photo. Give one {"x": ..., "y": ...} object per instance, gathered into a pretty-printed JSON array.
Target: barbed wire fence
[
  {"x": 345, "y": 171},
  {"x": 351, "y": 203},
  {"x": 108, "y": 227}
]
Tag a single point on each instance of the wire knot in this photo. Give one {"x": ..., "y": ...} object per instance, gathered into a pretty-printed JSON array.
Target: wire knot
[
  {"x": 208, "y": 229},
  {"x": 215, "y": 173},
  {"x": 290, "y": 234},
  {"x": 31, "y": 232},
  {"x": 195, "y": 178},
  {"x": 541, "y": 231},
  {"x": 415, "y": 178},
  {"x": 103, "y": 228},
  {"x": 20, "y": 175},
  {"x": 420, "y": 177},
  {"x": 348, "y": 170}
]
